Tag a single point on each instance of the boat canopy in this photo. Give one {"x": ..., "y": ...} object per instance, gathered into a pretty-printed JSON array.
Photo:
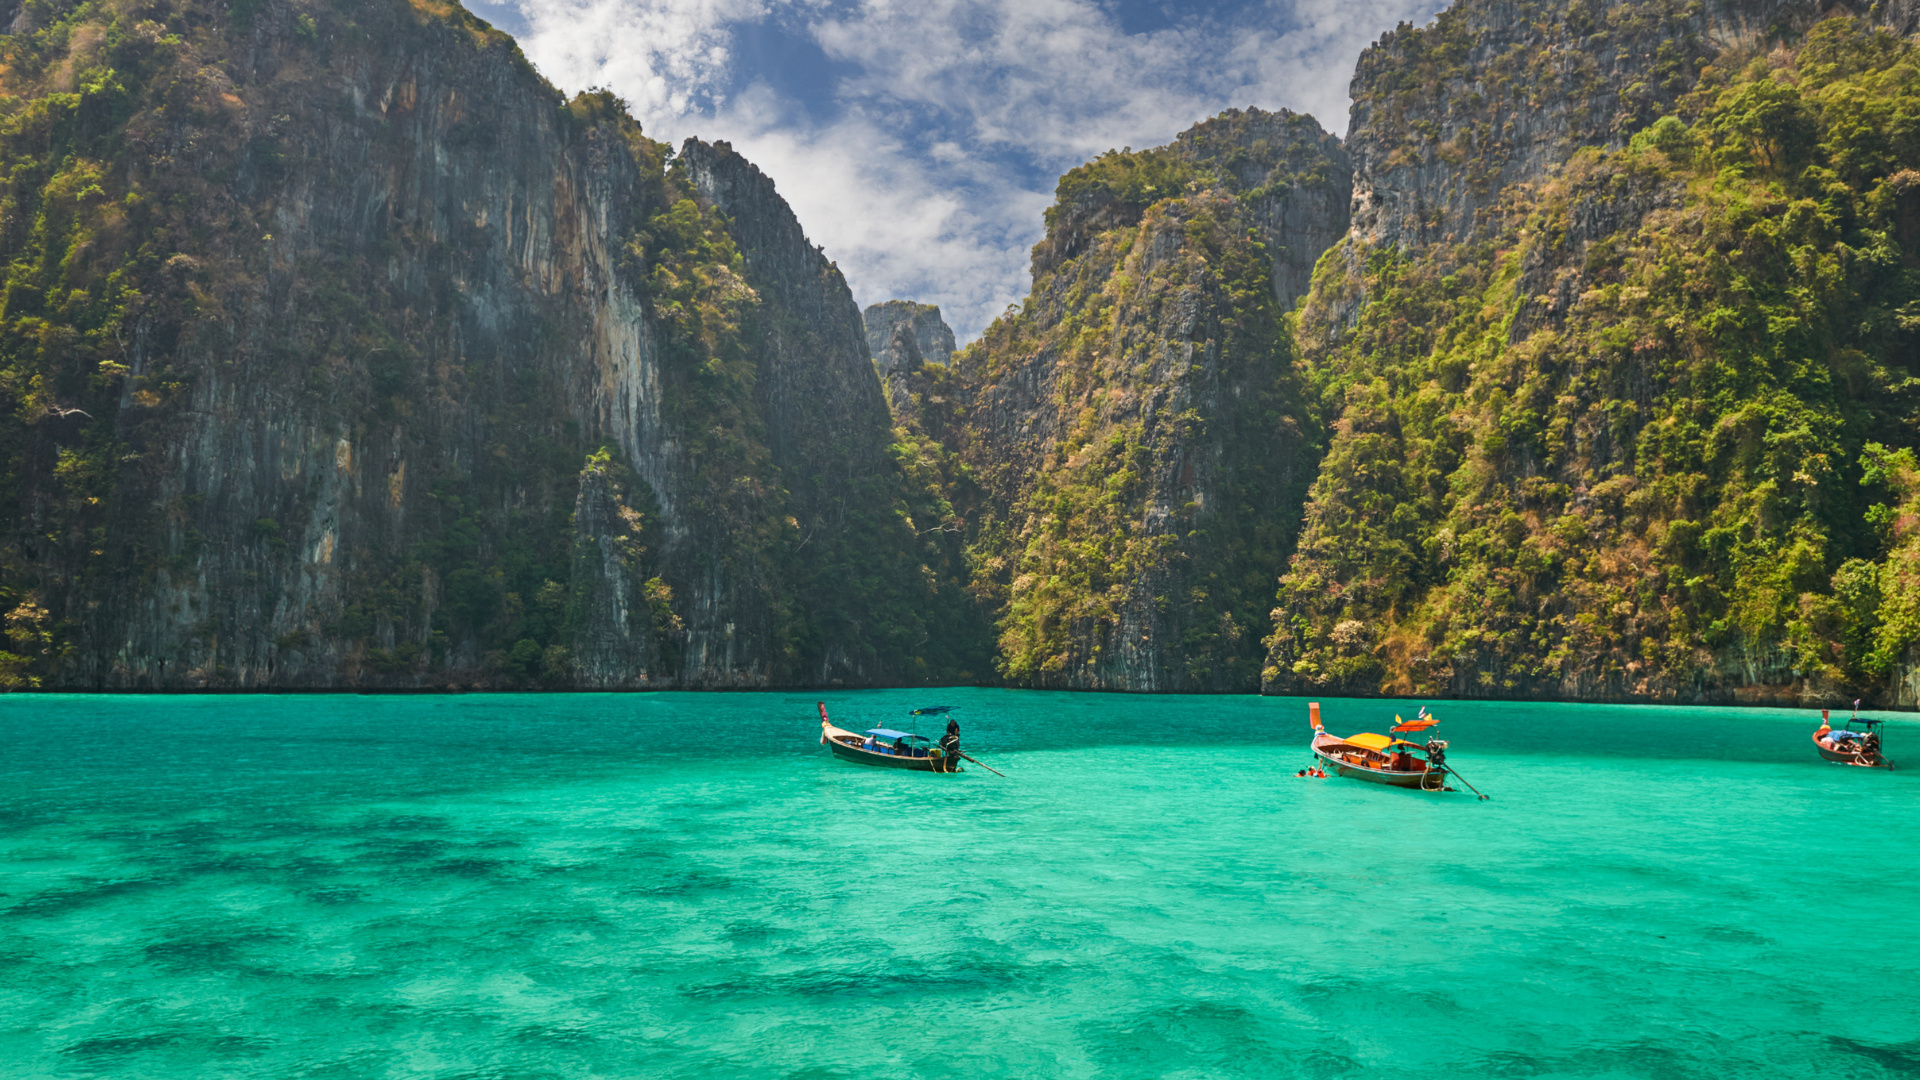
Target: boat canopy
[
  {"x": 1838, "y": 734},
  {"x": 889, "y": 733},
  {"x": 1380, "y": 742}
]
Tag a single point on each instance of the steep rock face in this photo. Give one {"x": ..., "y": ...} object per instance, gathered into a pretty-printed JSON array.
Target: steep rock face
[
  {"x": 1495, "y": 93},
  {"x": 827, "y": 433},
  {"x": 1293, "y": 181},
  {"x": 903, "y": 336},
  {"x": 885, "y": 322},
  {"x": 351, "y": 306},
  {"x": 815, "y": 380},
  {"x": 1630, "y": 439},
  {"x": 1138, "y": 430}
]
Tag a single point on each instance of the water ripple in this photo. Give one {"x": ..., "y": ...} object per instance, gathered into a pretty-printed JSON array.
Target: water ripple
[{"x": 519, "y": 886}]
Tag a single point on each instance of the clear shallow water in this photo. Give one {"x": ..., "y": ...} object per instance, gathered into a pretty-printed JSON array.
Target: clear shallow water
[{"x": 682, "y": 885}]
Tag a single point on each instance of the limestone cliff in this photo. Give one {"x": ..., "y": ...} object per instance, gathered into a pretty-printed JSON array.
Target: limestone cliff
[
  {"x": 337, "y": 349},
  {"x": 1448, "y": 117},
  {"x": 1138, "y": 429},
  {"x": 1292, "y": 179},
  {"x": 1611, "y": 364},
  {"x": 375, "y": 362},
  {"x": 903, "y": 337}
]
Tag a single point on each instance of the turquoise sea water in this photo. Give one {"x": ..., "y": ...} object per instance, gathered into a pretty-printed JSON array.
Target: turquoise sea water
[{"x": 681, "y": 885}]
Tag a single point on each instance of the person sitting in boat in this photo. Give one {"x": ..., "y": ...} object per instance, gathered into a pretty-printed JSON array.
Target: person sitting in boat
[
  {"x": 950, "y": 742},
  {"x": 870, "y": 744},
  {"x": 1870, "y": 748},
  {"x": 900, "y": 747}
]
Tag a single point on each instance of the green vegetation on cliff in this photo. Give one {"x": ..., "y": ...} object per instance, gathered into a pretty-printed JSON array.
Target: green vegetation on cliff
[
  {"x": 1139, "y": 427},
  {"x": 1623, "y": 446},
  {"x": 1113, "y": 506},
  {"x": 137, "y": 218},
  {"x": 88, "y": 263},
  {"x": 337, "y": 348}
]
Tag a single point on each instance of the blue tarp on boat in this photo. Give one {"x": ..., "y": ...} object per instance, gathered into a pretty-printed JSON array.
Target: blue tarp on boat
[{"x": 889, "y": 733}]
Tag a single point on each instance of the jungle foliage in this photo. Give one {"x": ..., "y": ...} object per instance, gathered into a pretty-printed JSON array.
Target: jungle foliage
[
  {"x": 148, "y": 152},
  {"x": 86, "y": 254},
  {"x": 1634, "y": 444},
  {"x": 1133, "y": 542},
  {"x": 136, "y": 220}
]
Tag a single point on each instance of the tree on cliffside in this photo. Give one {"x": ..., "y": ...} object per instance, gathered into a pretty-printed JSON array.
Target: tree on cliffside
[
  {"x": 337, "y": 348},
  {"x": 1139, "y": 427},
  {"x": 1618, "y": 447}
]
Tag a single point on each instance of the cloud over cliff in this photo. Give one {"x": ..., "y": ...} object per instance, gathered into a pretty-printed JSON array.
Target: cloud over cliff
[{"x": 919, "y": 140}]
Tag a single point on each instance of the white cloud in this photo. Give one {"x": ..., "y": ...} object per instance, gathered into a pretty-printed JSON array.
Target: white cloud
[
  {"x": 924, "y": 162},
  {"x": 1053, "y": 78},
  {"x": 899, "y": 223},
  {"x": 666, "y": 57}
]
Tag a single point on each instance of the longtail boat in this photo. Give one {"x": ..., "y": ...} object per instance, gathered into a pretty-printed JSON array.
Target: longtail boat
[
  {"x": 1382, "y": 759},
  {"x": 1845, "y": 746},
  {"x": 885, "y": 747}
]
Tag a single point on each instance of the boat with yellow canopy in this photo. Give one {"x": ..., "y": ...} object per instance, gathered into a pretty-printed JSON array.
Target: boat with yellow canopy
[{"x": 1383, "y": 759}]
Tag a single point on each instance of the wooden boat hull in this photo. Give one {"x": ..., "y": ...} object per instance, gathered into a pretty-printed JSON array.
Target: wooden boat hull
[
  {"x": 1841, "y": 757},
  {"x": 848, "y": 746},
  {"x": 1423, "y": 779},
  {"x": 864, "y": 756}
]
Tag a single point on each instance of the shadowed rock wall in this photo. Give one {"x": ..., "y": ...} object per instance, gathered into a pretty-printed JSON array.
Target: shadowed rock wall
[{"x": 393, "y": 298}]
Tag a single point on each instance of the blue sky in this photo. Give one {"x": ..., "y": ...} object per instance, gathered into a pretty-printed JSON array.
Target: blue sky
[{"x": 919, "y": 140}]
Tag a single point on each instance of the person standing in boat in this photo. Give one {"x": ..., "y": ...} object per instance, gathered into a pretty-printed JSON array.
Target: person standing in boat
[{"x": 950, "y": 744}]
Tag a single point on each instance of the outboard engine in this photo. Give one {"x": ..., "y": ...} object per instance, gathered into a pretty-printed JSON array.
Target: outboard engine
[{"x": 1437, "y": 753}]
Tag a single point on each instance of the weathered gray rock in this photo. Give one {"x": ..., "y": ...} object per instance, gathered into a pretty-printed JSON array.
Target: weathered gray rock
[
  {"x": 371, "y": 459},
  {"x": 932, "y": 338},
  {"x": 1293, "y": 178},
  {"x": 1501, "y": 92},
  {"x": 902, "y": 336},
  {"x": 1122, "y": 421}
]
